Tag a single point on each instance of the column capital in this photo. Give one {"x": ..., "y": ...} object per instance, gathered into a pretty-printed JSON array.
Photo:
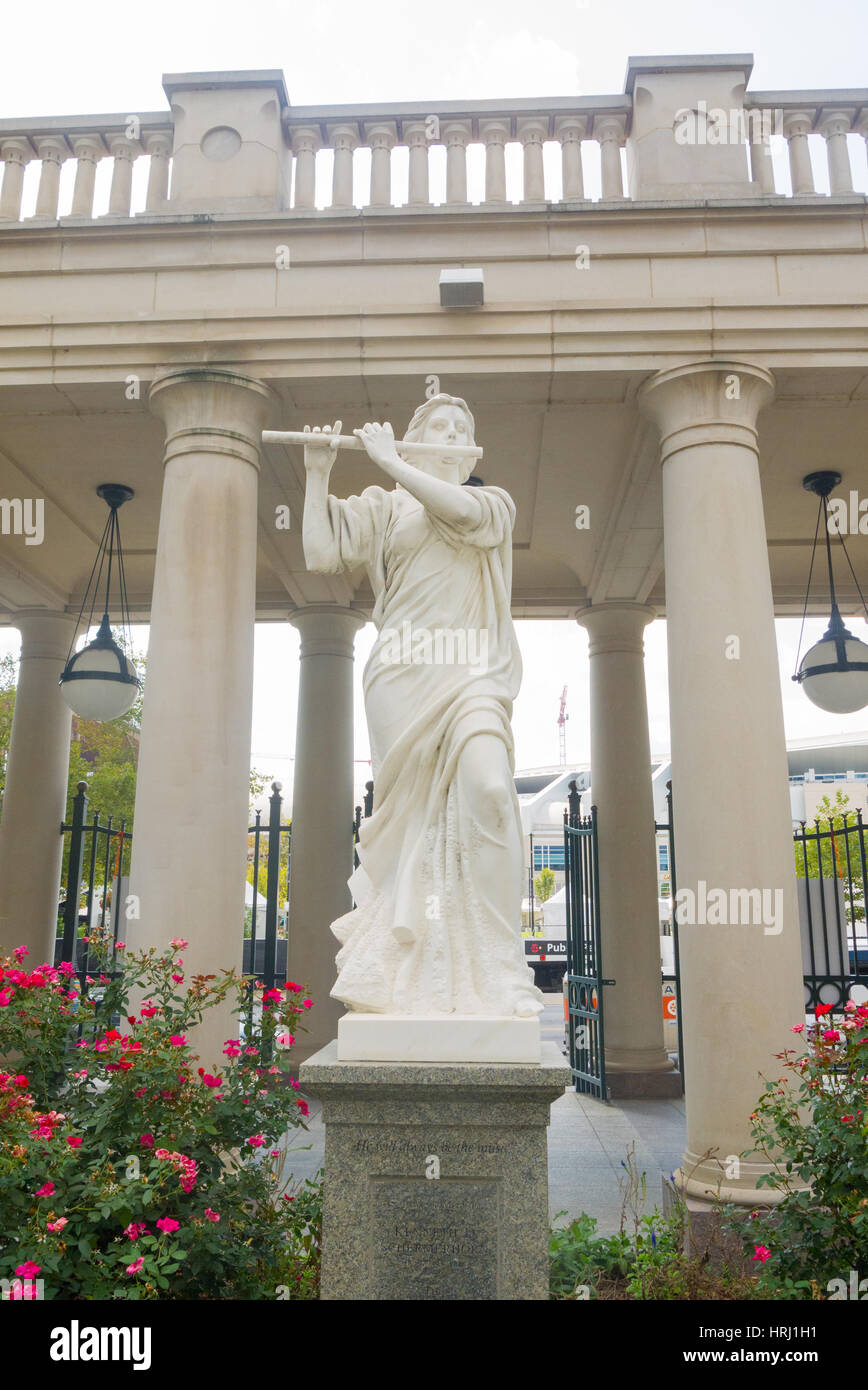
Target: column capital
[
  {"x": 532, "y": 130},
  {"x": 570, "y": 129},
  {"x": 45, "y": 632},
  {"x": 343, "y": 136},
  {"x": 706, "y": 402},
  {"x": 16, "y": 149},
  {"x": 798, "y": 123},
  {"x": 457, "y": 133},
  {"x": 380, "y": 135},
  {"x": 304, "y": 139},
  {"x": 52, "y": 149},
  {"x": 88, "y": 147},
  {"x": 327, "y": 629},
  {"x": 211, "y": 410},
  {"x": 158, "y": 143},
  {"x": 494, "y": 130},
  {"x": 611, "y": 126},
  {"x": 836, "y": 122},
  {"x": 616, "y": 626}
]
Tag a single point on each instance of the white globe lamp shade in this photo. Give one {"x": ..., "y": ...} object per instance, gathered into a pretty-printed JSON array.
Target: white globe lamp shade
[
  {"x": 834, "y": 673},
  {"x": 99, "y": 682}
]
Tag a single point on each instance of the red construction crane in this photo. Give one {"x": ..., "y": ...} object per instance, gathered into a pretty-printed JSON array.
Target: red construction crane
[{"x": 562, "y": 727}]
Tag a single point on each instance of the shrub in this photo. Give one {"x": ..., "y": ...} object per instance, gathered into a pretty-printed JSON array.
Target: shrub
[
  {"x": 127, "y": 1171},
  {"x": 811, "y": 1125}
]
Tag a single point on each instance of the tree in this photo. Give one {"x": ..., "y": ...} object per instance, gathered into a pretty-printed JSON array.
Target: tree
[
  {"x": 836, "y": 855},
  {"x": 544, "y": 885},
  {"x": 8, "y": 677}
]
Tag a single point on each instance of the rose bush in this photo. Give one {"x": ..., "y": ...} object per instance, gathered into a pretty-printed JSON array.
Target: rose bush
[
  {"x": 129, "y": 1170},
  {"x": 811, "y": 1124}
]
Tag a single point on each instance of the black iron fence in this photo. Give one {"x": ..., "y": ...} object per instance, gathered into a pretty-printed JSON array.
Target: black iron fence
[
  {"x": 265, "y": 950},
  {"x": 94, "y": 892},
  {"x": 831, "y": 877},
  {"x": 585, "y": 982}
]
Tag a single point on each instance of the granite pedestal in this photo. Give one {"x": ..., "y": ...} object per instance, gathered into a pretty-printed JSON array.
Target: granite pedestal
[{"x": 436, "y": 1177}]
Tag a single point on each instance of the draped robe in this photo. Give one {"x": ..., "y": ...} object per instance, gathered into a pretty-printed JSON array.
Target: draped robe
[{"x": 430, "y": 934}]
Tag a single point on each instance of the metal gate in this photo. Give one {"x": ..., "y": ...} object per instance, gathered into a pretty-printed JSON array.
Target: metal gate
[{"x": 585, "y": 981}]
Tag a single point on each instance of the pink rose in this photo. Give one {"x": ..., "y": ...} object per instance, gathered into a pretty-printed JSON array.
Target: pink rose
[
  {"x": 212, "y": 1215},
  {"x": 136, "y": 1265},
  {"x": 256, "y": 1141},
  {"x": 178, "y": 1040},
  {"x": 73, "y": 1142},
  {"x": 146, "y": 1140},
  {"x": 179, "y": 943},
  {"x": 45, "y": 1190},
  {"x": 57, "y": 1225},
  {"x": 28, "y": 1270},
  {"x": 167, "y": 1224}
]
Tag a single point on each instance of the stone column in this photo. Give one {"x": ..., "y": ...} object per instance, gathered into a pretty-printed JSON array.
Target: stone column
[
  {"x": 322, "y": 811},
  {"x": 158, "y": 146},
  {"x": 609, "y": 131},
  {"x": 88, "y": 151},
  {"x": 741, "y": 979},
  {"x": 457, "y": 136},
  {"x": 834, "y": 127},
  {"x": 532, "y": 132},
  {"x": 344, "y": 139},
  {"x": 797, "y": 128},
  {"x": 495, "y": 133},
  {"x": 52, "y": 150},
  {"x": 571, "y": 131},
  {"x": 305, "y": 143},
  {"x": 382, "y": 137},
  {"x": 416, "y": 137},
  {"x": 125, "y": 152},
  {"x": 192, "y": 796},
  {"x": 636, "y": 1060},
  {"x": 15, "y": 152},
  {"x": 34, "y": 805}
]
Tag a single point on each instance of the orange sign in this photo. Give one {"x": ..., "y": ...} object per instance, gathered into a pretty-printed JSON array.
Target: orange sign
[{"x": 670, "y": 1004}]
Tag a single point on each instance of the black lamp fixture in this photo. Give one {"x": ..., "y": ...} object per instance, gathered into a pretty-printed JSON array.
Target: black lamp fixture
[
  {"x": 834, "y": 673},
  {"x": 100, "y": 682}
]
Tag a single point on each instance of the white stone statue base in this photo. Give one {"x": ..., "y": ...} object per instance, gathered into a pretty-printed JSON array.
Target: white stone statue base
[{"x": 438, "y": 1038}]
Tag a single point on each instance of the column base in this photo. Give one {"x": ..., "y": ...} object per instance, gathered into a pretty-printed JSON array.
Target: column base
[
  {"x": 704, "y": 1236},
  {"x": 704, "y": 1179},
  {"x": 436, "y": 1183},
  {"x": 647, "y": 1085},
  {"x": 634, "y": 1072}
]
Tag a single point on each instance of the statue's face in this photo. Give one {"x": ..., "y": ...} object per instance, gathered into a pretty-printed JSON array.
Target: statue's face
[{"x": 445, "y": 425}]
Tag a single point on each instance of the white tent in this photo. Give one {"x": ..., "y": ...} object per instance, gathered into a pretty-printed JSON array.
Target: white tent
[{"x": 554, "y": 911}]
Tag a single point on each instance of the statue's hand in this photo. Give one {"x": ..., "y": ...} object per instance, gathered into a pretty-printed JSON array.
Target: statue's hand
[
  {"x": 320, "y": 453},
  {"x": 379, "y": 440}
]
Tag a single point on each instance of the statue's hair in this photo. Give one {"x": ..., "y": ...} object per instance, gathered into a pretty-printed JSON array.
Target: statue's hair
[{"x": 416, "y": 427}]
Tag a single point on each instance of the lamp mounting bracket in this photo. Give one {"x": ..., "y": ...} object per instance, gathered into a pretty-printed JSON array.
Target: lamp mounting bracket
[
  {"x": 115, "y": 494},
  {"x": 821, "y": 483}
]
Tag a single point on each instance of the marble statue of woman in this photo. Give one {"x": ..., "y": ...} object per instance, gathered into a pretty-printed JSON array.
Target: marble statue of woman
[{"x": 436, "y": 929}]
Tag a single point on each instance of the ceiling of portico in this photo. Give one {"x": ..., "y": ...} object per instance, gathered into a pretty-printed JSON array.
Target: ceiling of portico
[{"x": 554, "y": 440}]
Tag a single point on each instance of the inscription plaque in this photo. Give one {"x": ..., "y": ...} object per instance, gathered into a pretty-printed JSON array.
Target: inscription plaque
[{"x": 435, "y": 1239}]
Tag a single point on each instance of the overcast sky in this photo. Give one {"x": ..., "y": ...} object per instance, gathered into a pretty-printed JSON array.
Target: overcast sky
[{"x": 102, "y": 57}]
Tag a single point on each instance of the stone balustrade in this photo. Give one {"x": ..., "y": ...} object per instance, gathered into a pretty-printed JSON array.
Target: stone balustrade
[
  {"x": 830, "y": 116},
  {"x": 314, "y": 145},
  {"x": 312, "y": 131},
  {"x": 86, "y": 140}
]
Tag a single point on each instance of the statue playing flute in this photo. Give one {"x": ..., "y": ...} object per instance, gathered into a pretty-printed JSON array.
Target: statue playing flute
[{"x": 437, "y": 926}]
